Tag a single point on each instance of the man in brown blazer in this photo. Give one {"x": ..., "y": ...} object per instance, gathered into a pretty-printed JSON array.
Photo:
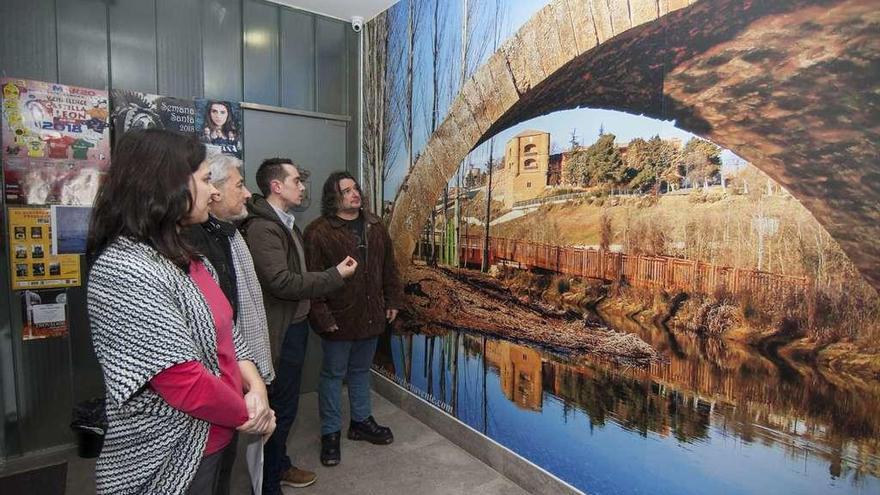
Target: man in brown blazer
[
  {"x": 350, "y": 318},
  {"x": 276, "y": 246}
]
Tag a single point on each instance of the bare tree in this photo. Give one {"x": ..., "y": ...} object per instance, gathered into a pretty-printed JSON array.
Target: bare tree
[
  {"x": 379, "y": 141},
  {"x": 496, "y": 33},
  {"x": 484, "y": 265},
  {"x": 438, "y": 21},
  {"x": 411, "y": 49},
  {"x": 438, "y": 34},
  {"x": 472, "y": 51},
  {"x": 465, "y": 41},
  {"x": 476, "y": 21}
]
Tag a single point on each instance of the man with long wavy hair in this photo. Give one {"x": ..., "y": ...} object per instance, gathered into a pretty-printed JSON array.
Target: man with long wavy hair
[{"x": 350, "y": 319}]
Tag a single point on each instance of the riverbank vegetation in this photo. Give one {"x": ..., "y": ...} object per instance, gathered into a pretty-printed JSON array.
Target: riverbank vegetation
[
  {"x": 476, "y": 302},
  {"x": 763, "y": 322},
  {"x": 750, "y": 224}
]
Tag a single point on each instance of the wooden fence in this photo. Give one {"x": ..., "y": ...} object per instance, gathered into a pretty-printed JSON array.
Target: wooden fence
[{"x": 660, "y": 272}]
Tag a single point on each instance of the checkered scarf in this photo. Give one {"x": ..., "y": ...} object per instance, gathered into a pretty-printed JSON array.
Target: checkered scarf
[{"x": 251, "y": 312}]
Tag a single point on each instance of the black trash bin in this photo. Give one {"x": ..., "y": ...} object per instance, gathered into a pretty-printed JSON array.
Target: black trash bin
[{"x": 89, "y": 424}]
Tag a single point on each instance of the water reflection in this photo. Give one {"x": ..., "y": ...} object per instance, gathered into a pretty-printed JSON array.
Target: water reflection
[{"x": 716, "y": 417}]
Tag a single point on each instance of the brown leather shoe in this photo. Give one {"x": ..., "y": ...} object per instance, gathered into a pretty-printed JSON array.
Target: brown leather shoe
[{"x": 298, "y": 478}]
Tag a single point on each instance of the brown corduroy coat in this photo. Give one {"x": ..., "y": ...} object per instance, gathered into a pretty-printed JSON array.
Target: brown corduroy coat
[{"x": 358, "y": 308}]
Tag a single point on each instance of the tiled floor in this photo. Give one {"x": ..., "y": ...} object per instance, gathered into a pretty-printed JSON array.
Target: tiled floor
[{"x": 420, "y": 461}]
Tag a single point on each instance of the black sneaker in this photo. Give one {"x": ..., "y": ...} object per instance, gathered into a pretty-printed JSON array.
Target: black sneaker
[
  {"x": 330, "y": 453},
  {"x": 370, "y": 431}
]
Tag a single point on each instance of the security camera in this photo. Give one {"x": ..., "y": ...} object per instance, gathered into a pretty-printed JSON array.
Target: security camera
[{"x": 357, "y": 23}]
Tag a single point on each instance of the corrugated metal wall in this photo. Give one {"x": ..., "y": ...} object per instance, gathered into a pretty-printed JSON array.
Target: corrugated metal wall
[
  {"x": 240, "y": 50},
  {"x": 246, "y": 50}
]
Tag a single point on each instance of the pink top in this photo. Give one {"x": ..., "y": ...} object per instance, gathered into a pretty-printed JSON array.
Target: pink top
[{"x": 191, "y": 388}]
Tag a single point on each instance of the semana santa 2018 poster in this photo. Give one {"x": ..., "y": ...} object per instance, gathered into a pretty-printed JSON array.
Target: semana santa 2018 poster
[{"x": 216, "y": 123}]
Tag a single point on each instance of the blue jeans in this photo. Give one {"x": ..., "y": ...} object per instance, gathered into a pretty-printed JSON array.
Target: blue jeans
[
  {"x": 284, "y": 400},
  {"x": 351, "y": 358}
]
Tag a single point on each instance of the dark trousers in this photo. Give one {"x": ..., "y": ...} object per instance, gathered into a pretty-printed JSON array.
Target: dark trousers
[
  {"x": 284, "y": 400},
  {"x": 224, "y": 477},
  {"x": 208, "y": 477}
]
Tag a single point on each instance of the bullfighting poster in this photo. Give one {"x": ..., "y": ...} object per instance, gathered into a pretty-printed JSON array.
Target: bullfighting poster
[
  {"x": 56, "y": 142},
  {"x": 215, "y": 123}
]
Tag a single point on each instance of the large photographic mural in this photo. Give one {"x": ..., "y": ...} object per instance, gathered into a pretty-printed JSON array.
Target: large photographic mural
[{"x": 638, "y": 235}]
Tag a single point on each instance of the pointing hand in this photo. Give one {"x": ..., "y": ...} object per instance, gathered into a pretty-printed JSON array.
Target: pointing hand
[{"x": 347, "y": 267}]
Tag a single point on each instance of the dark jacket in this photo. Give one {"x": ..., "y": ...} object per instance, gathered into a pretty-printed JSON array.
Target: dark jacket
[
  {"x": 358, "y": 308},
  {"x": 284, "y": 281},
  {"x": 212, "y": 240}
]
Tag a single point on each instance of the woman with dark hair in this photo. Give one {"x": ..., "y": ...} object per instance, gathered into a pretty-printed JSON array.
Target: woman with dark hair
[
  {"x": 174, "y": 366},
  {"x": 219, "y": 124}
]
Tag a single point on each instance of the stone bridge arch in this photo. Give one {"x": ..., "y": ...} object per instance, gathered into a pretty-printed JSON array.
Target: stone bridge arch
[{"x": 791, "y": 86}]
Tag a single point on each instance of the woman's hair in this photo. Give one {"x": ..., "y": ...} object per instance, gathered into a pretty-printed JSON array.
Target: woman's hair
[
  {"x": 146, "y": 193},
  {"x": 332, "y": 195},
  {"x": 228, "y": 126}
]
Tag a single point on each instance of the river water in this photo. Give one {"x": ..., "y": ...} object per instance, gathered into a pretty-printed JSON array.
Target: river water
[{"x": 715, "y": 417}]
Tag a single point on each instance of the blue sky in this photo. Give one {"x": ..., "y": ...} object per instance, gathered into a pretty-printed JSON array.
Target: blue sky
[{"x": 514, "y": 13}]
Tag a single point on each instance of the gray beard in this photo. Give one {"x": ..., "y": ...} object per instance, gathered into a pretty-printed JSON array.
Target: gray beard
[
  {"x": 234, "y": 218},
  {"x": 240, "y": 216}
]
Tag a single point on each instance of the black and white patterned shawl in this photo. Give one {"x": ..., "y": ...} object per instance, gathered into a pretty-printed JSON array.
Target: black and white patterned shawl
[
  {"x": 146, "y": 316},
  {"x": 251, "y": 320}
]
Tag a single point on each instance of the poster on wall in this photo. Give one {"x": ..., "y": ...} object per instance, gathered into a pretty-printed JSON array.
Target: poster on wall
[
  {"x": 70, "y": 229},
  {"x": 56, "y": 142},
  {"x": 215, "y": 123},
  {"x": 43, "y": 313},
  {"x": 32, "y": 263}
]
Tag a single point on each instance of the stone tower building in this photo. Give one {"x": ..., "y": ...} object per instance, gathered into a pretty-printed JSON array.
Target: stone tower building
[{"x": 526, "y": 158}]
